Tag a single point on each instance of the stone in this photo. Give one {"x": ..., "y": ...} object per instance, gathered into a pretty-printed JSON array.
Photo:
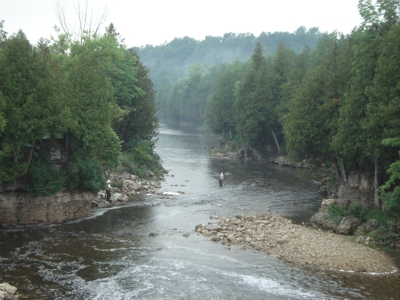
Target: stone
[
  {"x": 230, "y": 237},
  {"x": 5, "y": 287},
  {"x": 323, "y": 220},
  {"x": 206, "y": 232},
  {"x": 213, "y": 227},
  {"x": 116, "y": 197},
  {"x": 348, "y": 225}
]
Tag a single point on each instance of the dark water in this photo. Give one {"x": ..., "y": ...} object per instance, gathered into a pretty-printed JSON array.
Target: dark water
[{"x": 110, "y": 255}]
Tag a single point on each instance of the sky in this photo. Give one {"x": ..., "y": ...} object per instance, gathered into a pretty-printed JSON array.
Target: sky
[{"x": 154, "y": 22}]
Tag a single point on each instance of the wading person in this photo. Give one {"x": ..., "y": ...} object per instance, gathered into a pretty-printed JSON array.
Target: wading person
[
  {"x": 221, "y": 179},
  {"x": 108, "y": 190}
]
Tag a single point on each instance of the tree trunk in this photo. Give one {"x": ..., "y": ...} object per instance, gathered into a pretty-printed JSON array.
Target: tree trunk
[
  {"x": 30, "y": 157},
  {"x": 343, "y": 172},
  {"x": 276, "y": 141},
  {"x": 230, "y": 133},
  {"x": 376, "y": 199},
  {"x": 335, "y": 163}
]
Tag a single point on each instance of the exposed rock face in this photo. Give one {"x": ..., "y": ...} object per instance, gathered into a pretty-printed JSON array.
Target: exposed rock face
[
  {"x": 19, "y": 208},
  {"x": 295, "y": 243},
  {"x": 358, "y": 188}
]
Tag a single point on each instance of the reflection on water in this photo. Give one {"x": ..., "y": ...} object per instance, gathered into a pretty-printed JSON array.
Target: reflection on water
[{"x": 110, "y": 255}]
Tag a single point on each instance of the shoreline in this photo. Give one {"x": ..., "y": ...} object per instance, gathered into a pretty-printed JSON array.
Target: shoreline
[{"x": 297, "y": 244}]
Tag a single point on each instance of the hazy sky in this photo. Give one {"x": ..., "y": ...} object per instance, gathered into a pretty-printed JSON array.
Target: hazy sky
[{"x": 154, "y": 22}]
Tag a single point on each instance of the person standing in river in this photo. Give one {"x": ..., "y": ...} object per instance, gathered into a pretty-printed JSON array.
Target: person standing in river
[
  {"x": 221, "y": 179},
  {"x": 108, "y": 190}
]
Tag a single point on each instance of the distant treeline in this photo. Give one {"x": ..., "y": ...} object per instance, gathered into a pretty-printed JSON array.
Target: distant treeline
[
  {"x": 90, "y": 99},
  {"x": 337, "y": 102},
  {"x": 170, "y": 61}
]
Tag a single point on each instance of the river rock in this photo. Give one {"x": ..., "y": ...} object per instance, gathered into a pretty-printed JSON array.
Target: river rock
[
  {"x": 213, "y": 227},
  {"x": 323, "y": 220},
  {"x": 7, "y": 292},
  {"x": 116, "y": 197},
  {"x": 348, "y": 225}
]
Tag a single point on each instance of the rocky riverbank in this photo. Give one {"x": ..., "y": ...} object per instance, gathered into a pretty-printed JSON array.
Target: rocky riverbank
[
  {"x": 297, "y": 244},
  {"x": 125, "y": 186}
]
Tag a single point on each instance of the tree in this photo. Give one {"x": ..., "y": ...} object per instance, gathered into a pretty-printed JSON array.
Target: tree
[
  {"x": 93, "y": 107},
  {"x": 220, "y": 111},
  {"x": 85, "y": 24},
  {"x": 33, "y": 101}
]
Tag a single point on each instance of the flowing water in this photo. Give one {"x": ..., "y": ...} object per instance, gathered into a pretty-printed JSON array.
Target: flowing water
[{"x": 110, "y": 254}]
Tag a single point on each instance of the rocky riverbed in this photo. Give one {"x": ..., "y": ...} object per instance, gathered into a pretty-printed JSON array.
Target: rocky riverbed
[
  {"x": 298, "y": 244},
  {"x": 129, "y": 186}
]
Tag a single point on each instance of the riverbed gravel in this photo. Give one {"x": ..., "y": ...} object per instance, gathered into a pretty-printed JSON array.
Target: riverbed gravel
[{"x": 296, "y": 243}]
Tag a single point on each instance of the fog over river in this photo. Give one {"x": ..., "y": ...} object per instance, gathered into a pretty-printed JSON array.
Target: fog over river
[{"x": 110, "y": 254}]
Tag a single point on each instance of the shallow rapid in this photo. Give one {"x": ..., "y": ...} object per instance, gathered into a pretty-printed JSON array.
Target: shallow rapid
[{"x": 149, "y": 250}]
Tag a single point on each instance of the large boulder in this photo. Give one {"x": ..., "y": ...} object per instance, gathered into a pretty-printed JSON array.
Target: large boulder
[
  {"x": 323, "y": 220},
  {"x": 348, "y": 225},
  {"x": 116, "y": 197}
]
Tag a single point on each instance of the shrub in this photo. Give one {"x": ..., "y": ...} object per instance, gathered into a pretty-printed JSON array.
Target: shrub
[
  {"x": 84, "y": 172},
  {"x": 358, "y": 210},
  {"x": 336, "y": 212},
  {"x": 43, "y": 179}
]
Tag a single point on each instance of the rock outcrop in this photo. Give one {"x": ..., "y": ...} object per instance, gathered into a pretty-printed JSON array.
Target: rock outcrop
[{"x": 19, "y": 208}]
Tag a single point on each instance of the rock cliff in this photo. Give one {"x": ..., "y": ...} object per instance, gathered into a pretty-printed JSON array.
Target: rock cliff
[{"x": 19, "y": 208}]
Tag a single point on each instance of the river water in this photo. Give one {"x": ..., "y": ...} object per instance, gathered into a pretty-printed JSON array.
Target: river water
[{"x": 110, "y": 254}]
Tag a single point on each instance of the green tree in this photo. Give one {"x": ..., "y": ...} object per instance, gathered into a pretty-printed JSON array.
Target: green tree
[
  {"x": 32, "y": 88},
  {"x": 221, "y": 112},
  {"x": 93, "y": 107}
]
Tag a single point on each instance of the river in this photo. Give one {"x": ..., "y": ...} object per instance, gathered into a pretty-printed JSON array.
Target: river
[{"x": 110, "y": 255}]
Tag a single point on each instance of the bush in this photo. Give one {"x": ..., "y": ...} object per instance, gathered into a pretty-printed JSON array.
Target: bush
[
  {"x": 84, "y": 172},
  {"x": 141, "y": 158},
  {"x": 385, "y": 235},
  {"x": 44, "y": 179},
  {"x": 379, "y": 215},
  {"x": 336, "y": 212},
  {"x": 359, "y": 211}
]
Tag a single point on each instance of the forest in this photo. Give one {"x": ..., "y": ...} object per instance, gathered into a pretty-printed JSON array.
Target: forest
[
  {"x": 91, "y": 96},
  {"x": 334, "y": 101}
]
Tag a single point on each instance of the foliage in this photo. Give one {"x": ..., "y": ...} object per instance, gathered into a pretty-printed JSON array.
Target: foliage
[
  {"x": 336, "y": 212},
  {"x": 390, "y": 191},
  {"x": 32, "y": 103},
  {"x": 93, "y": 94},
  {"x": 359, "y": 211},
  {"x": 84, "y": 172},
  {"x": 44, "y": 178}
]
